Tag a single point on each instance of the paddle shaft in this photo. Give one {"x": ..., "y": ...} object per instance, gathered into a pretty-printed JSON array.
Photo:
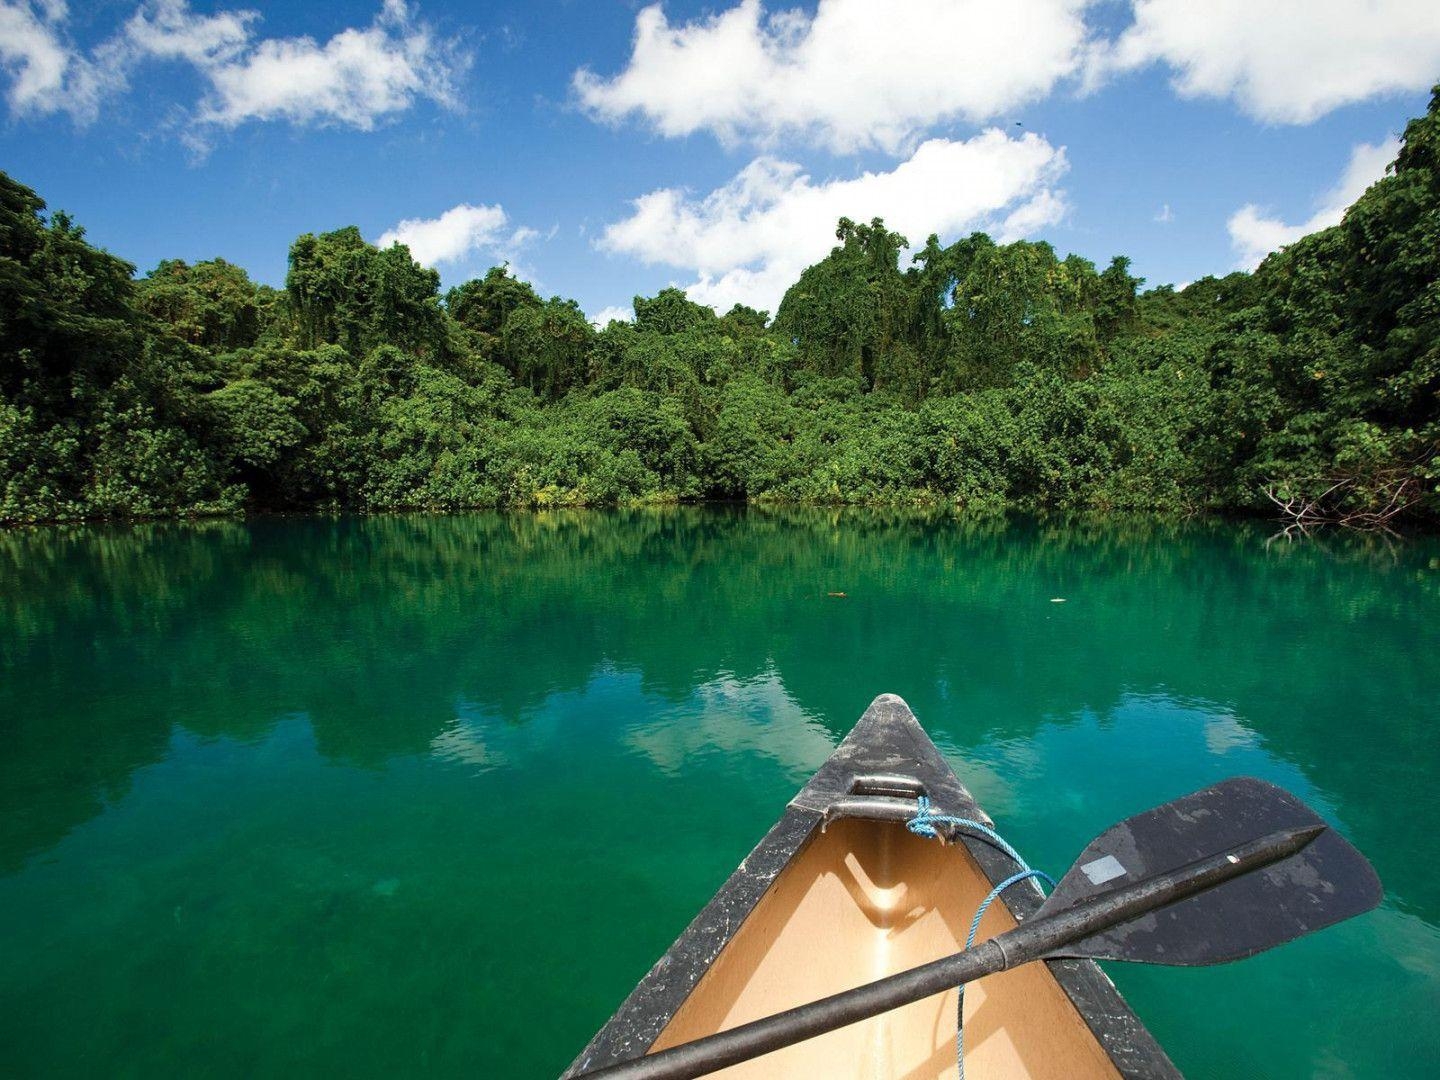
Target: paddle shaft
[{"x": 1030, "y": 941}]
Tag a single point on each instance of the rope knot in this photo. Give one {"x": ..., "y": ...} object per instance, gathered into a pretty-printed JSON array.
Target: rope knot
[{"x": 921, "y": 823}]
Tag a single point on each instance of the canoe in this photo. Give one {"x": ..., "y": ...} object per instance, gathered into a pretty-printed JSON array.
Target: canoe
[{"x": 839, "y": 893}]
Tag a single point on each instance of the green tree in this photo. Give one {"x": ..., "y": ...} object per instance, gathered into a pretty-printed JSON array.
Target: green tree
[
  {"x": 212, "y": 304},
  {"x": 547, "y": 347},
  {"x": 670, "y": 311},
  {"x": 344, "y": 291},
  {"x": 850, "y": 314},
  {"x": 482, "y": 306}
]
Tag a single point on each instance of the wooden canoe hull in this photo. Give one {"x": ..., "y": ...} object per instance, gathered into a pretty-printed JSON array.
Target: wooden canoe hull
[{"x": 839, "y": 893}]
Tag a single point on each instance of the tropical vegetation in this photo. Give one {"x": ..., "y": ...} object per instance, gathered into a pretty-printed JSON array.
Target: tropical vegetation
[{"x": 981, "y": 374}]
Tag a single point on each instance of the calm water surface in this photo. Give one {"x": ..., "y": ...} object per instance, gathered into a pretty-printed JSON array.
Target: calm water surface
[{"x": 427, "y": 795}]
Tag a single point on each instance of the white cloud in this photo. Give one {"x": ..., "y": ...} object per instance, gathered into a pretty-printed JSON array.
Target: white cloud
[
  {"x": 1164, "y": 215},
  {"x": 1253, "y": 235},
  {"x": 458, "y": 234},
  {"x": 606, "y": 315},
  {"x": 747, "y": 241},
  {"x": 47, "y": 74},
  {"x": 356, "y": 78},
  {"x": 858, "y": 73},
  {"x": 1283, "y": 61},
  {"x": 168, "y": 30}
]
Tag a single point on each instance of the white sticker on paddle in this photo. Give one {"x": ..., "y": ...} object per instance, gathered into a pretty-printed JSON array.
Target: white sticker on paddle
[{"x": 1103, "y": 870}]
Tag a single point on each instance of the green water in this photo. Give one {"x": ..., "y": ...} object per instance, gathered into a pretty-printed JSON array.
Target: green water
[{"x": 427, "y": 795}]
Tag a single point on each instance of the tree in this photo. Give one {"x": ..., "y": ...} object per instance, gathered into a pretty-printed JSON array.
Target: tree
[
  {"x": 1115, "y": 304},
  {"x": 344, "y": 291},
  {"x": 212, "y": 304},
  {"x": 66, "y": 324},
  {"x": 670, "y": 311},
  {"x": 483, "y": 305},
  {"x": 850, "y": 314},
  {"x": 1017, "y": 304},
  {"x": 547, "y": 347}
]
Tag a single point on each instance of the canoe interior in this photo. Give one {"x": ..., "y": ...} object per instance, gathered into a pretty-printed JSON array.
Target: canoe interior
[{"x": 865, "y": 899}]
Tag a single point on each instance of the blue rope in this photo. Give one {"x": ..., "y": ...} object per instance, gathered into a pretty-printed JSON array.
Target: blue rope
[
  {"x": 923, "y": 824},
  {"x": 925, "y": 820},
  {"x": 996, "y": 891}
]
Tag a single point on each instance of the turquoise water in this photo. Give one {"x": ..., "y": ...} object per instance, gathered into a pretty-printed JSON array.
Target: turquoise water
[{"x": 427, "y": 795}]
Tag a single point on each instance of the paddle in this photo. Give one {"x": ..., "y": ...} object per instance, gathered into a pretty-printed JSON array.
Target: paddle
[{"x": 1219, "y": 875}]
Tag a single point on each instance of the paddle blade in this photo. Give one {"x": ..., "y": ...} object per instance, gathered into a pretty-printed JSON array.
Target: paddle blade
[{"x": 1326, "y": 882}]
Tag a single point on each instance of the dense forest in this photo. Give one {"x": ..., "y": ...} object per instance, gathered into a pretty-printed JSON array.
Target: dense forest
[{"x": 980, "y": 375}]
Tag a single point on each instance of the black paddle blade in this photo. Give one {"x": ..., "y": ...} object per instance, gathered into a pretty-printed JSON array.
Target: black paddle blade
[{"x": 1324, "y": 883}]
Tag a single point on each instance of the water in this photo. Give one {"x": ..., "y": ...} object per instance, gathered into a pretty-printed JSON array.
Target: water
[{"x": 428, "y": 795}]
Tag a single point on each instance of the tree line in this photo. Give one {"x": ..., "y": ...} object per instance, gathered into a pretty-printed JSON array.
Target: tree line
[{"x": 982, "y": 375}]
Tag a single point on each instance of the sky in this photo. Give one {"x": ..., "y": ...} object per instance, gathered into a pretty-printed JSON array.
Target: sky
[{"x": 609, "y": 149}]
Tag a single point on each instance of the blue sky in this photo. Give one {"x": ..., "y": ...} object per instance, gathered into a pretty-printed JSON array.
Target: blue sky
[{"x": 1192, "y": 137}]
